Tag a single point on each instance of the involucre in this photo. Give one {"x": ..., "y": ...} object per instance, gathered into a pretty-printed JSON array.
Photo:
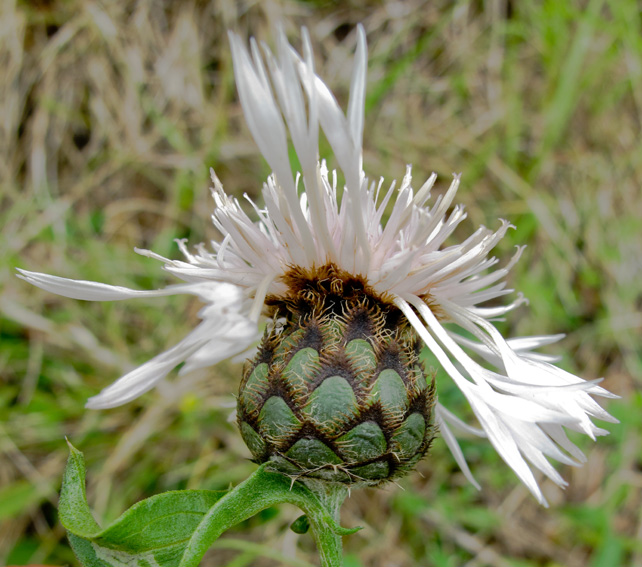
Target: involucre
[{"x": 336, "y": 391}]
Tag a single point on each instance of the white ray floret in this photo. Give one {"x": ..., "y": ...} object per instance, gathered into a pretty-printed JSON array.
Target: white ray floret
[{"x": 390, "y": 237}]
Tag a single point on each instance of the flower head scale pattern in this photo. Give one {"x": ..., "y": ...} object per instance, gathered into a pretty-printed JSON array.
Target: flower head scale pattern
[{"x": 521, "y": 400}]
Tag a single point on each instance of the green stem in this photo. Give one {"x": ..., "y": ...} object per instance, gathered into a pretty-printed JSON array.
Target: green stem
[
  {"x": 175, "y": 529},
  {"x": 261, "y": 490},
  {"x": 328, "y": 542}
]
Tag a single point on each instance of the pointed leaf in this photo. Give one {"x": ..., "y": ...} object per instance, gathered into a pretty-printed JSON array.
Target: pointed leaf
[{"x": 176, "y": 528}]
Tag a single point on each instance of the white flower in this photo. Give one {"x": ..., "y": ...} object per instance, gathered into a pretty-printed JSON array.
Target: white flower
[{"x": 522, "y": 402}]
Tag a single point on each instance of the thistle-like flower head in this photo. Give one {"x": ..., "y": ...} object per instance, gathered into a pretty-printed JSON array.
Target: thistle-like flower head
[{"x": 354, "y": 260}]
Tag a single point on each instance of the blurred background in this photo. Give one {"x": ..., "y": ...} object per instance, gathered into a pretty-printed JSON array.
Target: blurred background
[{"x": 111, "y": 114}]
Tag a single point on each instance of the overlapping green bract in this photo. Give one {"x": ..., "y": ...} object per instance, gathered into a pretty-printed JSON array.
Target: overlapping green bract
[{"x": 337, "y": 393}]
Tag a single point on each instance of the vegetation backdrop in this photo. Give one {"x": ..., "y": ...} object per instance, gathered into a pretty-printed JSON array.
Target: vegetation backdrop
[{"x": 111, "y": 114}]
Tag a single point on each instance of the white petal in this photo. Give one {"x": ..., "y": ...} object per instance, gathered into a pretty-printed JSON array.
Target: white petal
[
  {"x": 260, "y": 109},
  {"x": 522, "y": 345},
  {"x": 95, "y": 291},
  {"x": 225, "y": 331},
  {"x": 229, "y": 339},
  {"x": 522, "y": 413},
  {"x": 143, "y": 378},
  {"x": 455, "y": 449},
  {"x": 356, "y": 106},
  {"x": 505, "y": 444},
  {"x": 556, "y": 432},
  {"x": 451, "y": 418}
]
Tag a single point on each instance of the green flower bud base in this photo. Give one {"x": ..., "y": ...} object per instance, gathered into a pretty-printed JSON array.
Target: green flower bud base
[{"x": 336, "y": 391}]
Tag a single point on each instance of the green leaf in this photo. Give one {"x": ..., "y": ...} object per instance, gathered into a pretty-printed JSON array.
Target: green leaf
[
  {"x": 243, "y": 502},
  {"x": 176, "y": 528},
  {"x": 73, "y": 508},
  {"x": 154, "y": 531}
]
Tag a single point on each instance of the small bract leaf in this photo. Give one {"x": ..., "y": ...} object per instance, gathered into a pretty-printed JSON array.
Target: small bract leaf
[
  {"x": 256, "y": 385},
  {"x": 376, "y": 470},
  {"x": 301, "y": 525},
  {"x": 332, "y": 403},
  {"x": 363, "y": 442},
  {"x": 391, "y": 391},
  {"x": 361, "y": 354},
  {"x": 312, "y": 453},
  {"x": 277, "y": 419},
  {"x": 252, "y": 439},
  {"x": 302, "y": 366},
  {"x": 408, "y": 438}
]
